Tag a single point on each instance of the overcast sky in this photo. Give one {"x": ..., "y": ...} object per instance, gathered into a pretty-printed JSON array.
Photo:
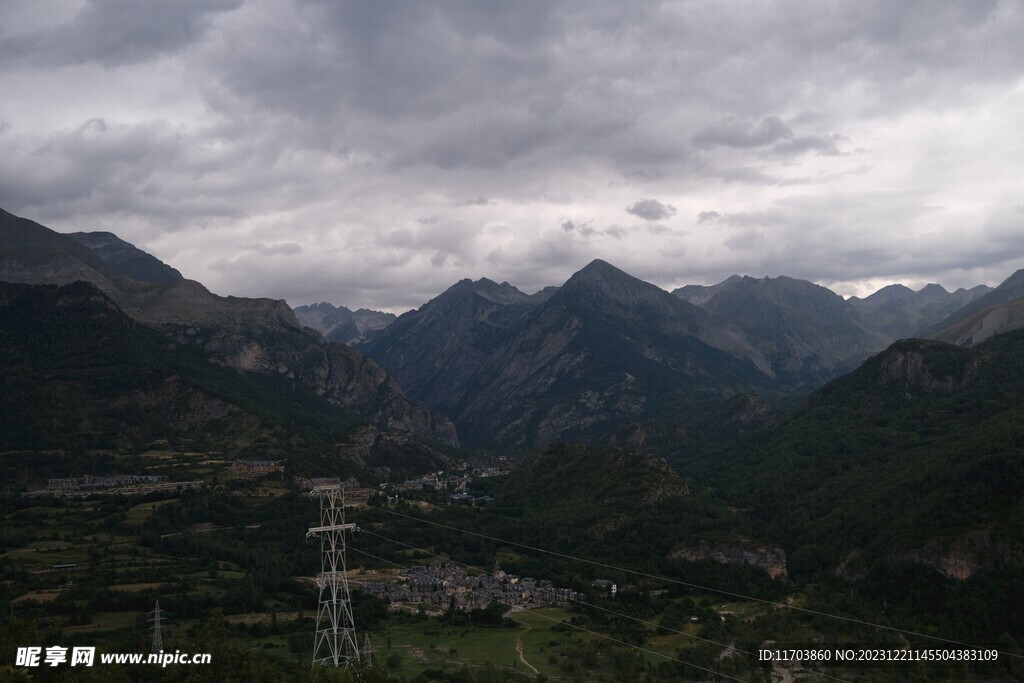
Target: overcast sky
[{"x": 372, "y": 153}]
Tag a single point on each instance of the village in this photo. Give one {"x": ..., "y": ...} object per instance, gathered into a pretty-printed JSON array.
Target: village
[{"x": 445, "y": 585}]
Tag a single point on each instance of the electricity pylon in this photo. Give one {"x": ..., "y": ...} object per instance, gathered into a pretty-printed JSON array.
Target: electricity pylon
[
  {"x": 335, "y": 639},
  {"x": 158, "y": 639}
]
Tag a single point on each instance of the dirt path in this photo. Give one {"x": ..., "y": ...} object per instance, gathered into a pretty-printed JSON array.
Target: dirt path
[{"x": 519, "y": 650}]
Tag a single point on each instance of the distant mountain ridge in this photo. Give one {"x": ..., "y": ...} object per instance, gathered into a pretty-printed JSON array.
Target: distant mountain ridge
[
  {"x": 899, "y": 312},
  {"x": 810, "y": 333},
  {"x": 995, "y": 311},
  {"x": 338, "y": 323},
  {"x": 606, "y": 350}
]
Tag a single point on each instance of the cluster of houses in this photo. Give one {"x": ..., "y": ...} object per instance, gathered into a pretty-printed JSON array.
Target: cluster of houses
[
  {"x": 256, "y": 468},
  {"x": 111, "y": 484},
  {"x": 452, "y": 482},
  {"x": 354, "y": 492},
  {"x": 447, "y": 584},
  {"x": 437, "y": 481}
]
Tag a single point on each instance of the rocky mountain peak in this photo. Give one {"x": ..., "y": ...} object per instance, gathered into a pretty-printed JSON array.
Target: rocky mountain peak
[
  {"x": 608, "y": 282},
  {"x": 931, "y": 293},
  {"x": 499, "y": 294},
  {"x": 892, "y": 292}
]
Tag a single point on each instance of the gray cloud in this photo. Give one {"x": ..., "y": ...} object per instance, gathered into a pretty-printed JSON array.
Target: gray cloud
[
  {"x": 286, "y": 248},
  {"x": 116, "y": 32},
  {"x": 651, "y": 210},
  {"x": 476, "y": 201},
  {"x": 731, "y": 132},
  {"x": 825, "y": 145}
]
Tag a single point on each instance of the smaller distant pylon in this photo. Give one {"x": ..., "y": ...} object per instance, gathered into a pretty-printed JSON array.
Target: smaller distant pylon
[
  {"x": 367, "y": 652},
  {"x": 158, "y": 639}
]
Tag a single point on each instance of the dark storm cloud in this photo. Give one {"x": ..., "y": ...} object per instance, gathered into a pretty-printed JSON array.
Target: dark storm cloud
[
  {"x": 651, "y": 210},
  {"x": 117, "y": 32}
]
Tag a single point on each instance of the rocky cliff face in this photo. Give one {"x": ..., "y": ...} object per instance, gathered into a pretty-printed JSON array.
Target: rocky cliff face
[
  {"x": 769, "y": 558},
  {"x": 905, "y": 364},
  {"x": 332, "y": 370},
  {"x": 967, "y": 554}
]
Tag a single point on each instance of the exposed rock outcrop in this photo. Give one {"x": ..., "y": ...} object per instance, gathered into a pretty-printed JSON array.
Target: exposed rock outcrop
[
  {"x": 771, "y": 559},
  {"x": 966, "y": 555},
  {"x": 905, "y": 364}
]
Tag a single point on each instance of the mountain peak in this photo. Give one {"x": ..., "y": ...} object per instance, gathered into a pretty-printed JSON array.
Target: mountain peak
[
  {"x": 933, "y": 287},
  {"x": 1014, "y": 281},
  {"x": 499, "y": 294},
  {"x": 599, "y": 271},
  {"x": 894, "y": 292}
]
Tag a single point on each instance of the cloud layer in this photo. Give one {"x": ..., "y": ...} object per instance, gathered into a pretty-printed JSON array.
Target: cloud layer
[{"x": 371, "y": 154}]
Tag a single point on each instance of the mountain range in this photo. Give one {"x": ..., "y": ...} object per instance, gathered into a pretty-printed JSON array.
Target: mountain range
[
  {"x": 606, "y": 350},
  {"x": 604, "y": 356},
  {"x": 515, "y": 370}
]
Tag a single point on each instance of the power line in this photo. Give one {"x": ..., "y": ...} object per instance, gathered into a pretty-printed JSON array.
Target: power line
[
  {"x": 687, "y": 584},
  {"x": 595, "y": 633},
  {"x": 582, "y": 602}
]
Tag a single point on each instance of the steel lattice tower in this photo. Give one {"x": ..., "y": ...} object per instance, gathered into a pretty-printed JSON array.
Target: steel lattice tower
[
  {"x": 335, "y": 640},
  {"x": 158, "y": 639}
]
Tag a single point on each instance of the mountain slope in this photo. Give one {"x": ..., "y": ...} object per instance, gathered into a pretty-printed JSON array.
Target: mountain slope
[
  {"x": 259, "y": 336},
  {"x": 436, "y": 352},
  {"x": 126, "y": 258},
  {"x": 33, "y": 254},
  {"x": 957, "y": 325},
  {"x": 604, "y": 349},
  {"x": 978, "y": 327},
  {"x": 80, "y": 375},
  {"x": 918, "y": 455},
  {"x": 78, "y": 370},
  {"x": 808, "y": 333}
]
